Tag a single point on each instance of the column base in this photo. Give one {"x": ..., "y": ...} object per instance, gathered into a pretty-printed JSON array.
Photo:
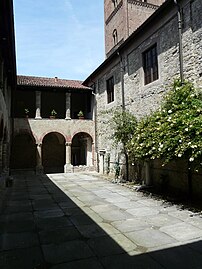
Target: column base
[
  {"x": 68, "y": 168},
  {"x": 39, "y": 170},
  {"x": 68, "y": 118},
  {"x": 38, "y": 118}
]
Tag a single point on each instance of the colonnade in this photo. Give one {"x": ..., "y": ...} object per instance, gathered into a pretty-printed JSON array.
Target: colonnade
[{"x": 67, "y": 102}]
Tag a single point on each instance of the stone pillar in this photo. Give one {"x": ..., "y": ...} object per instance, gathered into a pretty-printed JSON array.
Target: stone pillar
[
  {"x": 5, "y": 156},
  {"x": 101, "y": 162},
  {"x": 68, "y": 105},
  {"x": 1, "y": 156},
  {"x": 38, "y": 105},
  {"x": 93, "y": 154},
  {"x": 39, "y": 167},
  {"x": 68, "y": 166},
  {"x": 89, "y": 157}
]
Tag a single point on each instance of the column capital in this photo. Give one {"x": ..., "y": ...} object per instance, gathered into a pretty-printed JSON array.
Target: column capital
[
  {"x": 39, "y": 144},
  {"x": 68, "y": 144}
]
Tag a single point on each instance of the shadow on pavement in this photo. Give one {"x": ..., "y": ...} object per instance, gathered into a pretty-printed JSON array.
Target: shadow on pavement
[{"x": 41, "y": 228}]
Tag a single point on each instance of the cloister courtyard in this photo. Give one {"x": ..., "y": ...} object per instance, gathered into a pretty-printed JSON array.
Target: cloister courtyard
[{"x": 81, "y": 220}]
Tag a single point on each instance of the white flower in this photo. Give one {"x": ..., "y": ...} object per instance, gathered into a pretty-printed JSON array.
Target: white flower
[
  {"x": 169, "y": 119},
  {"x": 193, "y": 146},
  {"x": 186, "y": 129},
  {"x": 180, "y": 140},
  {"x": 169, "y": 111},
  {"x": 191, "y": 159},
  {"x": 179, "y": 155}
]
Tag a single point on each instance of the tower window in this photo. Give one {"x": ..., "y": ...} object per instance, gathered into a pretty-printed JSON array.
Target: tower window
[
  {"x": 115, "y": 37},
  {"x": 150, "y": 65},
  {"x": 110, "y": 90}
]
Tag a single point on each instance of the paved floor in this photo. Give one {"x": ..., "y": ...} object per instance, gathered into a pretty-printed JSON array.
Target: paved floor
[{"x": 73, "y": 221}]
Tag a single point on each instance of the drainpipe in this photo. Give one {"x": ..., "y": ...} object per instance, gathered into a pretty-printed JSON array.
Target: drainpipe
[
  {"x": 122, "y": 81},
  {"x": 179, "y": 14},
  {"x": 123, "y": 109}
]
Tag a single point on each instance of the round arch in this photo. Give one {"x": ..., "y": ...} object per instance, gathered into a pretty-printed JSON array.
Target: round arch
[
  {"x": 82, "y": 153},
  {"x": 23, "y": 152},
  {"x": 53, "y": 153}
]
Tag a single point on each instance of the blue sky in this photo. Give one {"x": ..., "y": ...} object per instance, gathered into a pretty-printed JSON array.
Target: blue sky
[{"x": 63, "y": 38}]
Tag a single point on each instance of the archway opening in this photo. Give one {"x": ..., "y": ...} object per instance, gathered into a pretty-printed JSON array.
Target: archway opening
[
  {"x": 82, "y": 150},
  {"x": 23, "y": 152},
  {"x": 53, "y": 153}
]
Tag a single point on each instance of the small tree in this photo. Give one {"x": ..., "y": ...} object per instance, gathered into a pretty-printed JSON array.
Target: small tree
[
  {"x": 174, "y": 131},
  {"x": 124, "y": 126}
]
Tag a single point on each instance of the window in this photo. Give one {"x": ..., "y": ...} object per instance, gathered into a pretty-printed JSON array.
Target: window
[
  {"x": 150, "y": 65},
  {"x": 115, "y": 37},
  {"x": 110, "y": 90}
]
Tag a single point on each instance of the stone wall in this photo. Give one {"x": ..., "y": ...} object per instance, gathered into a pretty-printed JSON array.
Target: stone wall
[
  {"x": 141, "y": 99},
  {"x": 40, "y": 128}
]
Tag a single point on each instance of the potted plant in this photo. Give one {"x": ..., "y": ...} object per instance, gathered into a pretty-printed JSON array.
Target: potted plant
[
  {"x": 53, "y": 114},
  {"x": 26, "y": 112},
  {"x": 80, "y": 115}
]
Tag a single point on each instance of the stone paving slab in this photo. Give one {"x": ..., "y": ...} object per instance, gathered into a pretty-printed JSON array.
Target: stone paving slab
[
  {"x": 27, "y": 258},
  {"x": 182, "y": 231},
  {"x": 131, "y": 225},
  {"x": 18, "y": 240},
  {"x": 53, "y": 223},
  {"x": 83, "y": 264},
  {"x": 67, "y": 251},
  {"x": 99, "y": 245},
  {"x": 181, "y": 257},
  {"x": 79, "y": 220},
  {"x": 57, "y": 236},
  {"x": 136, "y": 262},
  {"x": 143, "y": 211},
  {"x": 150, "y": 238}
]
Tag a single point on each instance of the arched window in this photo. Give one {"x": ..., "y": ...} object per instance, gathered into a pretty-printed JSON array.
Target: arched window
[{"x": 115, "y": 37}]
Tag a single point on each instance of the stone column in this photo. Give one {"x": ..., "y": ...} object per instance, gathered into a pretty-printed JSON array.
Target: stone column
[
  {"x": 5, "y": 156},
  {"x": 1, "y": 156},
  {"x": 89, "y": 156},
  {"x": 93, "y": 154},
  {"x": 68, "y": 166},
  {"x": 38, "y": 105},
  {"x": 68, "y": 105},
  {"x": 39, "y": 167}
]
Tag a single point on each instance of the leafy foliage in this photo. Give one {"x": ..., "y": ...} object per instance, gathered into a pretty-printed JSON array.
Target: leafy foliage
[
  {"x": 174, "y": 131},
  {"x": 124, "y": 125}
]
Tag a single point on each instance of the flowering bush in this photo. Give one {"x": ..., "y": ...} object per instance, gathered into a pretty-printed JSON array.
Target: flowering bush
[{"x": 174, "y": 131}]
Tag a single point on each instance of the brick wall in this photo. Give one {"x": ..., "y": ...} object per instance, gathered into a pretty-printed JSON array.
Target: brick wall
[{"x": 126, "y": 17}]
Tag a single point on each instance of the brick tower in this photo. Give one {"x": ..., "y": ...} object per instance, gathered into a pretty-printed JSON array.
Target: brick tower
[{"x": 122, "y": 17}]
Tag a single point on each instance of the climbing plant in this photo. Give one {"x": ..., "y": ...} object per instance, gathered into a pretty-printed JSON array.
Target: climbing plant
[
  {"x": 174, "y": 131},
  {"x": 124, "y": 125}
]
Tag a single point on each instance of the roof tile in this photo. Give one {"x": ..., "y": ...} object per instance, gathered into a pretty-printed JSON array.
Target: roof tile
[{"x": 50, "y": 82}]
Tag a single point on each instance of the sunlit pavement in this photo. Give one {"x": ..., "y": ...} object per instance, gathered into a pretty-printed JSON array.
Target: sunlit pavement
[{"x": 65, "y": 221}]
